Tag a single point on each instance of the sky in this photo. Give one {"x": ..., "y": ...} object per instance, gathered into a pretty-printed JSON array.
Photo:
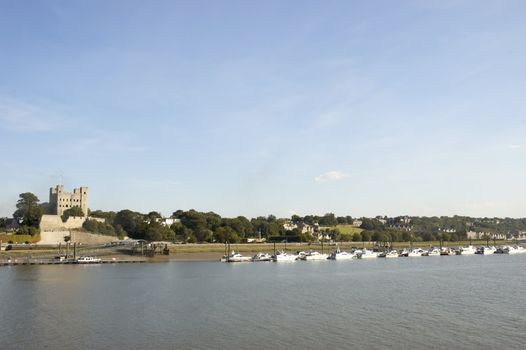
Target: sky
[{"x": 253, "y": 108}]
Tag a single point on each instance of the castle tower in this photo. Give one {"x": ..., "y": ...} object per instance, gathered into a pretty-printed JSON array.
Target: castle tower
[{"x": 60, "y": 201}]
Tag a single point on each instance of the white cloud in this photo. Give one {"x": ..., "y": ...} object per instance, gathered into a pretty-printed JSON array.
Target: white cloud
[{"x": 333, "y": 175}]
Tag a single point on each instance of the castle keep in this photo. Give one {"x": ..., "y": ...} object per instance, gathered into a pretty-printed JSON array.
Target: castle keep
[{"x": 60, "y": 201}]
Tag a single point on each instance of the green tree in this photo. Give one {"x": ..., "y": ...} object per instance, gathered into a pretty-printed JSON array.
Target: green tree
[
  {"x": 296, "y": 219},
  {"x": 154, "y": 215},
  {"x": 328, "y": 220},
  {"x": 357, "y": 237},
  {"x": 366, "y": 236},
  {"x": 132, "y": 222},
  {"x": 28, "y": 211},
  {"x": 73, "y": 211}
]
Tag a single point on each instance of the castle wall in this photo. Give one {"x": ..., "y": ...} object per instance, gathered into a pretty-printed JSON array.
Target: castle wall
[
  {"x": 57, "y": 237},
  {"x": 55, "y": 223}
]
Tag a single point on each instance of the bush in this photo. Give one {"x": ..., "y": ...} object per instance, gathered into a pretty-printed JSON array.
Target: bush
[
  {"x": 28, "y": 230},
  {"x": 102, "y": 228}
]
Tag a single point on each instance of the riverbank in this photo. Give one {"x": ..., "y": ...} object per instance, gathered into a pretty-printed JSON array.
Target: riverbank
[{"x": 214, "y": 251}]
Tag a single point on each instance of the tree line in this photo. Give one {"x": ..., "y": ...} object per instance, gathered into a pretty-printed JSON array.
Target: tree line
[{"x": 194, "y": 226}]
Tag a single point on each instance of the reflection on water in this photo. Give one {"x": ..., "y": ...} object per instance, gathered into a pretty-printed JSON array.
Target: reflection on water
[{"x": 456, "y": 302}]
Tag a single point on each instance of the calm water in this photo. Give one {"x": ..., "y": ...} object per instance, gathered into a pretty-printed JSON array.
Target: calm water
[{"x": 438, "y": 302}]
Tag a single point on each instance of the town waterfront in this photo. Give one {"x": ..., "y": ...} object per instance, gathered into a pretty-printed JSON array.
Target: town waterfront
[{"x": 455, "y": 302}]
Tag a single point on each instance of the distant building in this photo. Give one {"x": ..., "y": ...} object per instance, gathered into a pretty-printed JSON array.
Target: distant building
[
  {"x": 60, "y": 201},
  {"x": 305, "y": 228},
  {"x": 482, "y": 235},
  {"x": 169, "y": 221},
  {"x": 402, "y": 227}
]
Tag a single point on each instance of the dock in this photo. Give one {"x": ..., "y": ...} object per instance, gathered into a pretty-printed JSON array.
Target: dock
[{"x": 19, "y": 262}]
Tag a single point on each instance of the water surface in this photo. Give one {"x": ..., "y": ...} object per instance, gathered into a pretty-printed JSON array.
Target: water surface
[{"x": 439, "y": 302}]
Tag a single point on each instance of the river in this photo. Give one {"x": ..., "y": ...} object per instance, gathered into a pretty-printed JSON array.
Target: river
[{"x": 471, "y": 302}]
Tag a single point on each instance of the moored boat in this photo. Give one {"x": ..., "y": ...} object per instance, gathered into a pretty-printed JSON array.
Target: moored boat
[
  {"x": 513, "y": 250},
  {"x": 236, "y": 257},
  {"x": 341, "y": 255},
  {"x": 416, "y": 252},
  {"x": 486, "y": 250},
  {"x": 433, "y": 252},
  {"x": 88, "y": 260},
  {"x": 392, "y": 254},
  {"x": 469, "y": 250},
  {"x": 262, "y": 257},
  {"x": 404, "y": 252},
  {"x": 284, "y": 257},
  {"x": 367, "y": 254},
  {"x": 313, "y": 255},
  {"x": 447, "y": 251}
]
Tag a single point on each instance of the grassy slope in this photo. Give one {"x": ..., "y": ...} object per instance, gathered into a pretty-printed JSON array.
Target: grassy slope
[{"x": 345, "y": 229}]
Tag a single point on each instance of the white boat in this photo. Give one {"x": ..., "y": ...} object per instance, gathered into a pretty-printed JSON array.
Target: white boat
[
  {"x": 469, "y": 250},
  {"x": 236, "y": 257},
  {"x": 262, "y": 257},
  {"x": 447, "y": 251},
  {"x": 486, "y": 250},
  {"x": 283, "y": 256},
  {"x": 367, "y": 254},
  {"x": 404, "y": 252},
  {"x": 342, "y": 255},
  {"x": 433, "y": 252},
  {"x": 88, "y": 260},
  {"x": 514, "y": 250},
  {"x": 392, "y": 254},
  {"x": 416, "y": 252},
  {"x": 313, "y": 255}
]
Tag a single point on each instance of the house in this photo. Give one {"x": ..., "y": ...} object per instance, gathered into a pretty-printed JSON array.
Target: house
[{"x": 169, "y": 221}]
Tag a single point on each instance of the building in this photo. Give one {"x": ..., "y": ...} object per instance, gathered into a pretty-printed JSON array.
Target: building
[
  {"x": 305, "y": 228},
  {"x": 59, "y": 201},
  {"x": 168, "y": 221}
]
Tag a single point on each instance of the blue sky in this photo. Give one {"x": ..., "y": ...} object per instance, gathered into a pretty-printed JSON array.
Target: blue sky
[{"x": 259, "y": 107}]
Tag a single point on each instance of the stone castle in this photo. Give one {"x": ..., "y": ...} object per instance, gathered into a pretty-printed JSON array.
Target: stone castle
[{"x": 60, "y": 201}]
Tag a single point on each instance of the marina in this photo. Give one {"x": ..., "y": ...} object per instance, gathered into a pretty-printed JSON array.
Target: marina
[{"x": 364, "y": 253}]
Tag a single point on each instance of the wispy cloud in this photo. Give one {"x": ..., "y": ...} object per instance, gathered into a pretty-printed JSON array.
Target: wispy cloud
[
  {"x": 22, "y": 116},
  {"x": 514, "y": 146},
  {"x": 333, "y": 175}
]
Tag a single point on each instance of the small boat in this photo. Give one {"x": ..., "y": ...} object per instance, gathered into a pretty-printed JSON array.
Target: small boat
[
  {"x": 392, "y": 254},
  {"x": 283, "y": 256},
  {"x": 404, "y": 253},
  {"x": 416, "y": 252},
  {"x": 447, "y": 251},
  {"x": 262, "y": 257},
  {"x": 236, "y": 257},
  {"x": 514, "y": 250},
  {"x": 88, "y": 260},
  {"x": 486, "y": 250},
  {"x": 342, "y": 255},
  {"x": 433, "y": 252},
  {"x": 367, "y": 254},
  {"x": 469, "y": 250},
  {"x": 313, "y": 255}
]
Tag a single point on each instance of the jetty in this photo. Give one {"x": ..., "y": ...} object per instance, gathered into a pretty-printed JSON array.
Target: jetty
[{"x": 25, "y": 261}]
